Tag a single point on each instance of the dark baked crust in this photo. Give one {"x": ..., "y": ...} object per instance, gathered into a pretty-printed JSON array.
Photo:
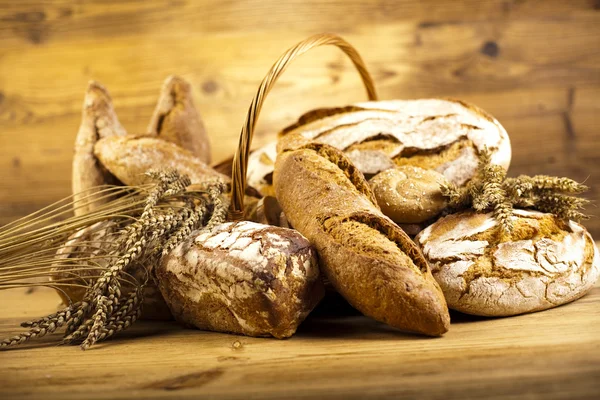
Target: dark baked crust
[{"x": 243, "y": 277}]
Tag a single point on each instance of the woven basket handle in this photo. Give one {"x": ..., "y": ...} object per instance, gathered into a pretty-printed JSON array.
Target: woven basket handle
[{"x": 240, "y": 160}]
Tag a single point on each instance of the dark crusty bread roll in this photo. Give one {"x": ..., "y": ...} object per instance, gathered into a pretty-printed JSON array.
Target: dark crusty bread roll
[
  {"x": 175, "y": 119},
  {"x": 243, "y": 277},
  {"x": 367, "y": 258}
]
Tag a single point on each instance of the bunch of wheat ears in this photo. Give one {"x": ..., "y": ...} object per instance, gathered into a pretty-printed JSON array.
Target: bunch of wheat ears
[
  {"x": 145, "y": 223},
  {"x": 491, "y": 190}
]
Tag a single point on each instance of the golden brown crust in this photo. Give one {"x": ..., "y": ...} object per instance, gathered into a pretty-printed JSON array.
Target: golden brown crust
[
  {"x": 409, "y": 195},
  {"x": 98, "y": 120},
  {"x": 368, "y": 258},
  {"x": 175, "y": 119},
  {"x": 130, "y": 157}
]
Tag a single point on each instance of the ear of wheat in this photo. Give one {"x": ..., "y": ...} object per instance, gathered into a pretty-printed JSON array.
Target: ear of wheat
[
  {"x": 491, "y": 190},
  {"x": 145, "y": 223}
]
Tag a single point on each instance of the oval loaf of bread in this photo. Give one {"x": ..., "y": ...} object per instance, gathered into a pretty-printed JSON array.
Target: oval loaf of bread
[
  {"x": 368, "y": 259},
  {"x": 443, "y": 135},
  {"x": 130, "y": 157},
  {"x": 546, "y": 263},
  {"x": 243, "y": 277}
]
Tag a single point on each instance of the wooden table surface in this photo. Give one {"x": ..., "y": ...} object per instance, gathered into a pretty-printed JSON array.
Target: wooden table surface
[
  {"x": 553, "y": 354},
  {"x": 534, "y": 65}
]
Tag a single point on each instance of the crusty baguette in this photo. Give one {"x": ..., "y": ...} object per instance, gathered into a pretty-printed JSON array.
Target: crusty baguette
[
  {"x": 130, "y": 157},
  {"x": 242, "y": 277},
  {"x": 367, "y": 258},
  {"x": 175, "y": 119},
  {"x": 98, "y": 120}
]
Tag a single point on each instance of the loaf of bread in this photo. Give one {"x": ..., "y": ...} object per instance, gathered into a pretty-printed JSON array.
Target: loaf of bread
[
  {"x": 91, "y": 243},
  {"x": 98, "y": 120},
  {"x": 242, "y": 277},
  {"x": 545, "y": 263},
  {"x": 409, "y": 195},
  {"x": 368, "y": 259},
  {"x": 130, "y": 157},
  {"x": 176, "y": 120},
  {"x": 443, "y": 135}
]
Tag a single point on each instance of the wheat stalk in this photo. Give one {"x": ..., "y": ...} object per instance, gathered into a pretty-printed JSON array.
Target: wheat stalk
[{"x": 148, "y": 222}]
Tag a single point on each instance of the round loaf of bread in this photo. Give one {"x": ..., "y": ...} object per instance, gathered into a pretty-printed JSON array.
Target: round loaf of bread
[
  {"x": 547, "y": 262},
  {"x": 409, "y": 195}
]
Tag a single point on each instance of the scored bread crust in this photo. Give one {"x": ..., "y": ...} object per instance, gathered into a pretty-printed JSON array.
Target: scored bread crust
[
  {"x": 130, "y": 157},
  {"x": 368, "y": 259},
  {"x": 440, "y": 134},
  {"x": 243, "y": 277},
  {"x": 547, "y": 263}
]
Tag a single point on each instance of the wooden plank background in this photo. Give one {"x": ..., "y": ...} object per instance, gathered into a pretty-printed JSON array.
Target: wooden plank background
[{"x": 535, "y": 65}]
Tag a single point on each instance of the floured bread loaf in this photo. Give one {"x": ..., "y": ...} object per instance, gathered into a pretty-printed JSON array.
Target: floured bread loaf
[
  {"x": 546, "y": 263},
  {"x": 98, "y": 120},
  {"x": 176, "y": 119},
  {"x": 368, "y": 259},
  {"x": 89, "y": 242},
  {"x": 409, "y": 195},
  {"x": 130, "y": 157},
  {"x": 443, "y": 135},
  {"x": 243, "y": 277}
]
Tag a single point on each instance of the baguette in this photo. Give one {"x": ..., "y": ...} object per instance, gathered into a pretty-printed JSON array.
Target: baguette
[
  {"x": 176, "y": 120},
  {"x": 368, "y": 259},
  {"x": 98, "y": 120},
  {"x": 243, "y": 277}
]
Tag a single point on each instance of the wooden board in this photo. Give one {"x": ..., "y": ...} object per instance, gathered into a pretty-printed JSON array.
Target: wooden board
[
  {"x": 535, "y": 65},
  {"x": 553, "y": 354}
]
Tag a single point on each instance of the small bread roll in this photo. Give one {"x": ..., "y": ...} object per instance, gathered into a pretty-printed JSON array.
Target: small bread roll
[
  {"x": 546, "y": 263},
  {"x": 243, "y": 277},
  {"x": 409, "y": 195}
]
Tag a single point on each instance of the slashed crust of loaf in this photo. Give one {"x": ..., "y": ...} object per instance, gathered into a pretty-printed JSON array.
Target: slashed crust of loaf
[
  {"x": 98, "y": 120},
  {"x": 130, "y": 157},
  {"x": 243, "y": 277},
  {"x": 175, "y": 119},
  {"x": 154, "y": 306},
  {"x": 546, "y": 263},
  {"x": 367, "y": 258},
  {"x": 438, "y": 134}
]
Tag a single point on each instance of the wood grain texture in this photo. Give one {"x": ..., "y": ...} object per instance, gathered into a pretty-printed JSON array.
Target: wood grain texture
[
  {"x": 535, "y": 65},
  {"x": 553, "y": 354}
]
